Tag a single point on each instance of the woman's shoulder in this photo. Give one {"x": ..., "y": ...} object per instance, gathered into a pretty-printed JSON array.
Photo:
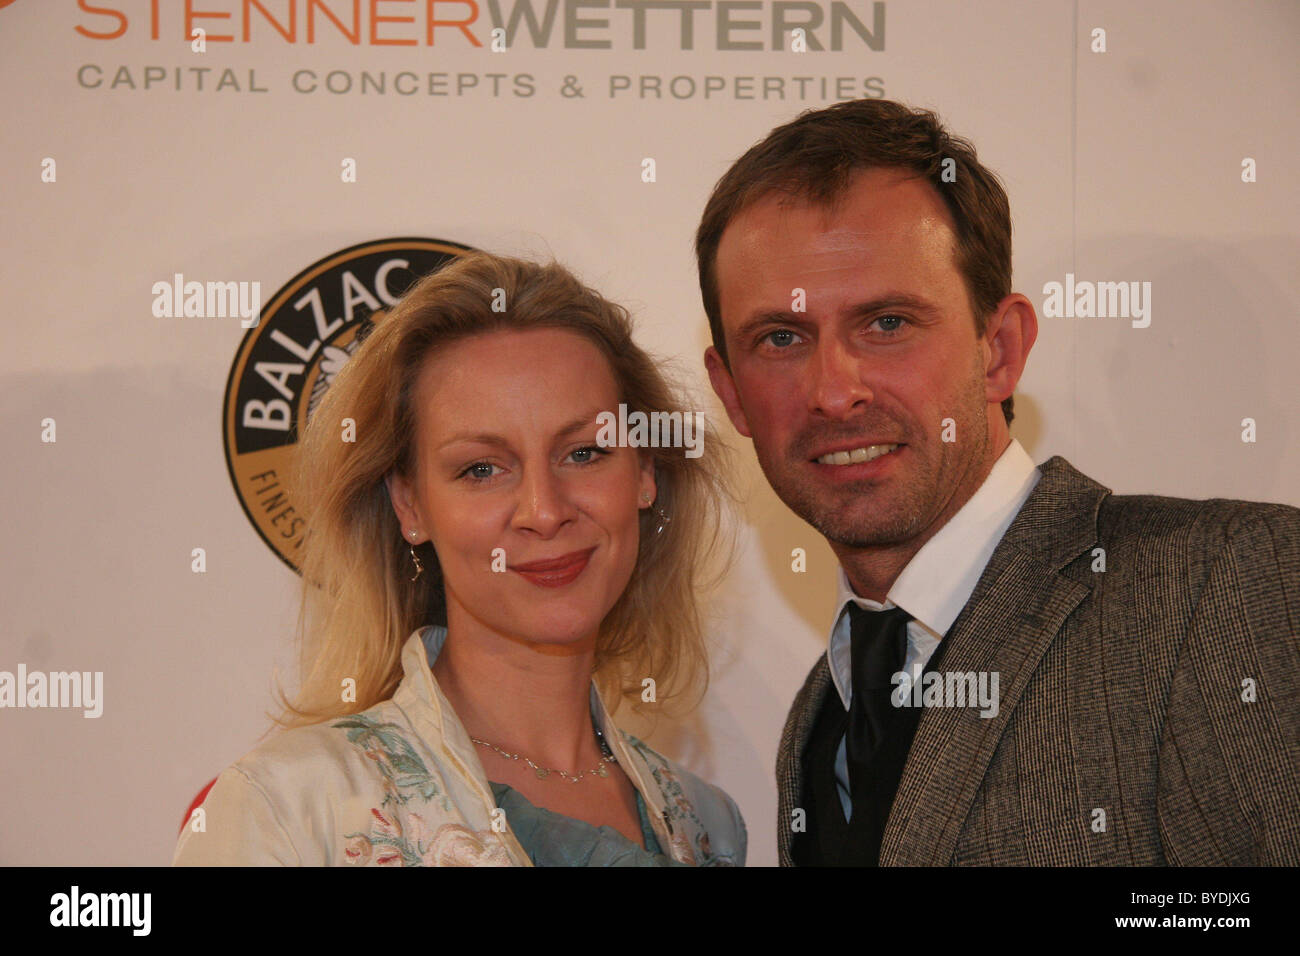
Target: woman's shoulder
[
  {"x": 694, "y": 803},
  {"x": 335, "y": 747},
  {"x": 311, "y": 794}
]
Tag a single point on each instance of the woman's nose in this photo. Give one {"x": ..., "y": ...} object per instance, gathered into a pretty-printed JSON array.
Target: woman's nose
[{"x": 544, "y": 505}]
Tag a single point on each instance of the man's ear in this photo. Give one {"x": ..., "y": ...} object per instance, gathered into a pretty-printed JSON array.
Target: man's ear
[
  {"x": 724, "y": 386},
  {"x": 402, "y": 495},
  {"x": 1008, "y": 336}
]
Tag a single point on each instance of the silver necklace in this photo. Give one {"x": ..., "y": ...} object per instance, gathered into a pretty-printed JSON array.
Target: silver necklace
[{"x": 606, "y": 756}]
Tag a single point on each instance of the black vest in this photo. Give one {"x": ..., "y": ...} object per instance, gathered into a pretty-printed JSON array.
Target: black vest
[{"x": 830, "y": 840}]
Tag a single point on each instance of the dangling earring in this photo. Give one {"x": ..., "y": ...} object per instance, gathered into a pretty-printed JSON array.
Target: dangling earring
[
  {"x": 664, "y": 519},
  {"x": 419, "y": 568}
]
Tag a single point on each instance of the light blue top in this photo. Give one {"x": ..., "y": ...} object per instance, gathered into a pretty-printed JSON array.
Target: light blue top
[{"x": 552, "y": 839}]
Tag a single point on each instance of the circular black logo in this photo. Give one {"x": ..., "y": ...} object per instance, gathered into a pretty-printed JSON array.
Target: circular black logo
[{"x": 307, "y": 332}]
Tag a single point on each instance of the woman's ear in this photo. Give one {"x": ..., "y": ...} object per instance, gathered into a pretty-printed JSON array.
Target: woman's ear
[
  {"x": 402, "y": 494},
  {"x": 647, "y": 489}
]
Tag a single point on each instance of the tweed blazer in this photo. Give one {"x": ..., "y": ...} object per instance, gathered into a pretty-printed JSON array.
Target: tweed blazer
[{"x": 1149, "y": 712}]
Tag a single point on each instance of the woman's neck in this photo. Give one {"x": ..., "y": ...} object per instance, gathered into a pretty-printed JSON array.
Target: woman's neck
[{"x": 524, "y": 697}]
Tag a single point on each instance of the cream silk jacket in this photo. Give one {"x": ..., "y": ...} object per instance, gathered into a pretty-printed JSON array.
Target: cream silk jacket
[{"x": 401, "y": 784}]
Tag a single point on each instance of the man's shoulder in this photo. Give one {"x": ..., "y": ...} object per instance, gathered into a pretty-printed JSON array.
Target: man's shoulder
[
  {"x": 1156, "y": 521},
  {"x": 1202, "y": 525}
]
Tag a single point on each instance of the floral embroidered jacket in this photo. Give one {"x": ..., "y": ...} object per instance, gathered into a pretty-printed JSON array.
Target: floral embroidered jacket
[{"x": 401, "y": 784}]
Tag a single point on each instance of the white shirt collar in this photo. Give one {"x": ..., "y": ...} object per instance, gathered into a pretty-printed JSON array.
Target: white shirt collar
[{"x": 938, "y": 581}]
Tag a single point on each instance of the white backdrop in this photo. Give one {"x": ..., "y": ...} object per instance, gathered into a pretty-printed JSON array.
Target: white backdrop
[{"x": 1123, "y": 165}]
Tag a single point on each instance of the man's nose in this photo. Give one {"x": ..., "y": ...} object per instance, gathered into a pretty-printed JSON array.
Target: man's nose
[{"x": 838, "y": 387}]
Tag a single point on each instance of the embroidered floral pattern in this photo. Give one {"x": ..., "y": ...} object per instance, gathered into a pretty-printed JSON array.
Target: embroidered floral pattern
[
  {"x": 404, "y": 772},
  {"x": 679, "y": 810},
  {"x": 405, "y": 840},
  {"x": 404, "y": 829},
  {"x": 398, "y": 835}
]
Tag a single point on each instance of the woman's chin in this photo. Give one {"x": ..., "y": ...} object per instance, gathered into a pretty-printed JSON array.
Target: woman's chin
[
  {"x": 558, "y": 618},
  {"x": 562, "y": 634}
]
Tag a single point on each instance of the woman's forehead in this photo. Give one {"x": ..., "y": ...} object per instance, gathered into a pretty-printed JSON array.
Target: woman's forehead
[{"x": 530, "y": 380}]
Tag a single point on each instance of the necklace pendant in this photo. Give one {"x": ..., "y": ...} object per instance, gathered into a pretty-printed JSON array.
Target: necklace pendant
[
  {"x": 542, "y": 773},
  {"x": 602, "y": 771}
]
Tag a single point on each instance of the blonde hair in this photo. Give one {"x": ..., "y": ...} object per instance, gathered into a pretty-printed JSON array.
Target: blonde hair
[{"x": 359, "y": 605}]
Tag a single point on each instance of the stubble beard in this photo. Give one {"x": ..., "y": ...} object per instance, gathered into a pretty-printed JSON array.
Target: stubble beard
[{"x": 895, "y": 510}]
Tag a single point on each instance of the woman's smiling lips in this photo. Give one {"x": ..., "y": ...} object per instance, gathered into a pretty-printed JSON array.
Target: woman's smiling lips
[{"x": 554, "y": 572}]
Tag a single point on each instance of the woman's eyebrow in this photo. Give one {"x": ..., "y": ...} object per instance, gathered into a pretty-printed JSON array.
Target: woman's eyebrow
[{"x": 487, "y": 438}]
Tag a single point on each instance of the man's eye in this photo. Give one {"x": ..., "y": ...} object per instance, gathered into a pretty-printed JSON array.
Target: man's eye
[
  {"x": 780, "y": 338},
  {"x": 890, "y": 323}
]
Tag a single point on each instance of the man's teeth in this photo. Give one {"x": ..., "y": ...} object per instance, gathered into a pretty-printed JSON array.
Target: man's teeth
[{"x": 856, "y": 456}]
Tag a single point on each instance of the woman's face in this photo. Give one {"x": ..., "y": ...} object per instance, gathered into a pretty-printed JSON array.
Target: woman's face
[{"x": 535, "y": 526}]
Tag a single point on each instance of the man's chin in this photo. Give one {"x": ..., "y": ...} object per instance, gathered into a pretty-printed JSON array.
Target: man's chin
[
  {"x": 888, "y": 523},
  {"x": 857, "y": 538}
]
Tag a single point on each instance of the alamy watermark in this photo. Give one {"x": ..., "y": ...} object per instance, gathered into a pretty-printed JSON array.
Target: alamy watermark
[
  {"x": 84, "y": 689},
  {"x": 75, "y": 908},
  {"x": 653, "y": 430},
  {"x": 1100, "y": 300},
  {"x": 207, "y": 300},
  {"x": 950, "y": 689}
]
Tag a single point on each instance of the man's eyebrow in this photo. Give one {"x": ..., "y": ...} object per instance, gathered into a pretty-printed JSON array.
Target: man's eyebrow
[
  {"x": 487, "y": 438},
  {"x": 890, "y": 300}
]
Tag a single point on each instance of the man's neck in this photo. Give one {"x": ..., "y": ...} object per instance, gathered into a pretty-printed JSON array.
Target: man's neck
[{"x": 873, "y": 570}]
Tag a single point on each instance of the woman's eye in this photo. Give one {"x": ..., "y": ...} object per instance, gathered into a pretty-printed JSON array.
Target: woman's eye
[
  {"x": 480, "y": 470},
  {"x": 587, "y": 454}
]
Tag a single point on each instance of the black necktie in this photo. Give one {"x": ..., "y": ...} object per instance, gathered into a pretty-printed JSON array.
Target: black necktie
[{"x": 879, "y": 650}]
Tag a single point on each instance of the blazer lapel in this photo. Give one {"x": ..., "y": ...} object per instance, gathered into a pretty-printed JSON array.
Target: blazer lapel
[
  {"x": 1017, "y": 608},
  {"x": 789, "y": 757}
]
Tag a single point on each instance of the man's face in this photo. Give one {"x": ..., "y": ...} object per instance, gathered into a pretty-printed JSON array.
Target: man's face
[{"x": 847, "y": 394}]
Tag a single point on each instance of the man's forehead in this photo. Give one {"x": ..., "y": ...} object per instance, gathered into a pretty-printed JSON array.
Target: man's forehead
[
  {"x": 878, "y": 203},
  {"x": 882, "y": 217},
  {"x": 834, "y": 245}
]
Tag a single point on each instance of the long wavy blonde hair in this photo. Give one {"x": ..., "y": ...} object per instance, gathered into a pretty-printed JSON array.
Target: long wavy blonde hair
[{"x": 359, "y": 605}]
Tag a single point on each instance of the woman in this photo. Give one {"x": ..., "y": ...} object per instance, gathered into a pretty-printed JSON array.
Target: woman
[{"x": 483, "y": 571}]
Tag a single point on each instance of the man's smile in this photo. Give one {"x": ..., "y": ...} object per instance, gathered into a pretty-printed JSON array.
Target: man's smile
[{"x": 855, "y": 455}]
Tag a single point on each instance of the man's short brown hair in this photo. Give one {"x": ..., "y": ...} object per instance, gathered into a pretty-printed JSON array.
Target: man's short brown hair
[{"x": 814, "y": 158}]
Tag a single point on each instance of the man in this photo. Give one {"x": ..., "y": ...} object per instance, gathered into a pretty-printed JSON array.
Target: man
[{"x": 1023, "y": 667}]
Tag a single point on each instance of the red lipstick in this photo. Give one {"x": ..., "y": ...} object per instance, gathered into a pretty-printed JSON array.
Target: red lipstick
[{"x": 554, "y": 572}]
